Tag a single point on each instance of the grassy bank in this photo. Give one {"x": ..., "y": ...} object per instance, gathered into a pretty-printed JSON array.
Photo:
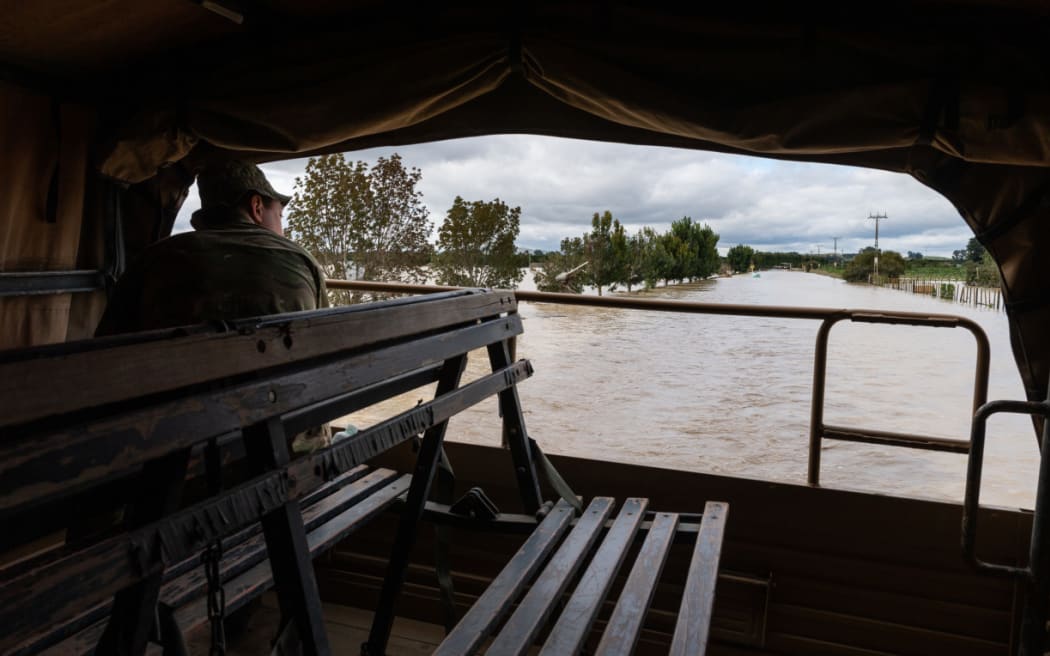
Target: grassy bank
[{"x": 941, "y": 272}]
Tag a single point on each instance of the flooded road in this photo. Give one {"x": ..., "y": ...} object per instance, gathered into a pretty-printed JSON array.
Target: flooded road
[{"x": 731, "y": 395}]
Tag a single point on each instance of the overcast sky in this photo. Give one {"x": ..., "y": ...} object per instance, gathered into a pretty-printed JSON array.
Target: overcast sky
[{"x": 766, "y": 204}]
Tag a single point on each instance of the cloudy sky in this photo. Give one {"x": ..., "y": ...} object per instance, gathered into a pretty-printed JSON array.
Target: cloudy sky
[{"x": 767, "y": 204}]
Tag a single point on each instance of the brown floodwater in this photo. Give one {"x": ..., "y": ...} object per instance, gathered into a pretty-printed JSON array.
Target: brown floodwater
[{"x": 731, "y": 395}]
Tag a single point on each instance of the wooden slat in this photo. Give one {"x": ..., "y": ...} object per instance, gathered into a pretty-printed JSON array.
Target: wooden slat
[
  {"x": 493, "y": 604},
  {"x": 626, "y": 622},
  {"x": 40, "y": 467},
  {"x": 694, "y": 616},
  {"x": 521, "y": 629},
  {"x": 253, "y": 550},
  {"x": 240, "y": 550},
  {"x": 39, "y": 384},
  {"x": 258, "y": 578},
  {"x": 575, "y": 621},
  {"x": 62, "y": 588}
]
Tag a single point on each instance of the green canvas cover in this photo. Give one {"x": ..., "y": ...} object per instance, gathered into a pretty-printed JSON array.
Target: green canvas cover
[{"x": 955, "y": 93}]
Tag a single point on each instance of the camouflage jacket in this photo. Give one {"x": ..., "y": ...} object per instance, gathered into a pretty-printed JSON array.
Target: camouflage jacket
[{"x": 227, "y": 268}]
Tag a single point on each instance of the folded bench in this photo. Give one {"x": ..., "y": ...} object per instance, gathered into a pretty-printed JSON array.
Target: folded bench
[
  {"x": 330, "y": 514},
  {"x": 119, "y": 422},
  {"x": 605, "y": 548},
  {"x": 115, "y": 423}
]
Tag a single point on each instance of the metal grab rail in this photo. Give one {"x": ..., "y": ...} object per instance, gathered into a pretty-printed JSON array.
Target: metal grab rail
[
  {"x": 828, "y": 317},
  {"x": 818, "y": 431},
  {"x": 1035, "y": 576}
]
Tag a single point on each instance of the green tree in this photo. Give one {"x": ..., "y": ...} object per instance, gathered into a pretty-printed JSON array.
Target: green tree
[
  {"x": 891, "y": 265},
  {"x": 476, "y": 245},
  {"x": 739, "y": 257},
  {"x": 974, "y": 250},
  {"x": 360, "y": 222},
  {"x": 597, "y": 244},
  {"x": 694, "y": 248},
  {"x": 327, "y": 212},
  {"x": 634, "y": 263},
  {"x": 984, "y": 273},
  {"x": 657, "y": 261},
  {"x": 620, "y": 255},
  {"x": 393, "y": 244},
  {"x": 561, "y": 271}
]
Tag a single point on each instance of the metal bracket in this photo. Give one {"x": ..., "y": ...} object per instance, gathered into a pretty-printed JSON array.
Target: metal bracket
[{"x": 475, "y": 504}]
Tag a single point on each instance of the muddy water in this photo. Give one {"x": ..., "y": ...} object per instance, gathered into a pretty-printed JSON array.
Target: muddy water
[{"x": 731, "y": 395}]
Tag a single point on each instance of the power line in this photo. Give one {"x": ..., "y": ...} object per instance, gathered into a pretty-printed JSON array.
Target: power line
[{"x": 877, "y": 217}]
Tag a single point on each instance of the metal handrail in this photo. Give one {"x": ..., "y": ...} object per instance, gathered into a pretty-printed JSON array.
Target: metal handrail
[
  {"x": 828, "y": 316},
  {"x": 1035, "y": 575},
  {"x": 818, "y": 431}
]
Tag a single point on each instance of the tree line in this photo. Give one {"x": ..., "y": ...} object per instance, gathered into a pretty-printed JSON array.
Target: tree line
[
  {"x": 367, "y": 222},
  {"x": 608, "y": 257}
]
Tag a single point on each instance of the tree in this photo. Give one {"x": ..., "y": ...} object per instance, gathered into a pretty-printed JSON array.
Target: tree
[
  {"x": 739, "y": 258},
  {"x": 620, "y": 255},
  {"x": 476, "y": 245},
  {"x": 704, "y": 242},
  {"x": 634, "y": 263},
  {"x": 368, "y": 222},
  {"x": 657, "y": 261},
  {"x": 974, "y": 250},
  {"x": 914, "y": 255},
  {"x": 597, "y": 244},
  {"x": 393, "y": 244},
  {"x": 562, "y": 271},
  {"x": 326, "y": 213},
  {"x": 984, "y": 273},
  {"x": 694, "y": 248},
  {"x": 891, "y": 265}
]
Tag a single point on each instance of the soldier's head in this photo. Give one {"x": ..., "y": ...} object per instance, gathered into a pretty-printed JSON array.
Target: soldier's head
[{"x": 242, "y": 186}]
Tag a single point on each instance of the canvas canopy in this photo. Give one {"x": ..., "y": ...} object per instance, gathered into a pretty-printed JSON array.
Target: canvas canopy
[{"x": 954, "y": 93}]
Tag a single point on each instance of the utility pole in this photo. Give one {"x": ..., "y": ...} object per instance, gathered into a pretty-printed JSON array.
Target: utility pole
[
  {"x": 836, "y": 256},
  {"x": 877, "y": 217}
]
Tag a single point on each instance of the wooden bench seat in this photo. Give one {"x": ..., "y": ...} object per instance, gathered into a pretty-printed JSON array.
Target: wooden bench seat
[
  {"x": 115, "y": 423},
  {"x": 120, "y": 423},
  {"x": 605, "y": 546},
  {"x": 330, "y": 514}
]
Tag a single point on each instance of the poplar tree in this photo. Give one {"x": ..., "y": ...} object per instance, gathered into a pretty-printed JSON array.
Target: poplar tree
[{"x": 598, "y": 251}]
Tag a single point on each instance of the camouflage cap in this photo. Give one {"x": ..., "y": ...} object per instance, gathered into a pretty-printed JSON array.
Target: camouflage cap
[{"x": 225, "y": 184}]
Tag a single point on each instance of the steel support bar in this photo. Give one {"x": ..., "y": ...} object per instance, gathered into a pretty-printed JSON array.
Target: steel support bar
[
  {"x": 658, "y": 305},
  {"x": 887, "y": 438},
  {"x": 34, "y": 283},
  {"x": 975, "y": 466},
  {"x": 422, "y": 478}
]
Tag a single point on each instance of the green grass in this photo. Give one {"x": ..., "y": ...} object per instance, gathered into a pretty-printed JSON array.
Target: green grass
[{"x": 939, "y": 272}]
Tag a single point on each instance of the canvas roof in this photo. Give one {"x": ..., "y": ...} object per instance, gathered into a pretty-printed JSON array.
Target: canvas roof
[{"x": 955, "y": 93}]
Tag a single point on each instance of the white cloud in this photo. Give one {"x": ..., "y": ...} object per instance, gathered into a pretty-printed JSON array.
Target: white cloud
[{"x": 768, "y": 204}]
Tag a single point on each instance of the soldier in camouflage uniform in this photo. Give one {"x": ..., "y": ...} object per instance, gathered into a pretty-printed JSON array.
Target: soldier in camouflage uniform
[{"x": 236, "y": 263}]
